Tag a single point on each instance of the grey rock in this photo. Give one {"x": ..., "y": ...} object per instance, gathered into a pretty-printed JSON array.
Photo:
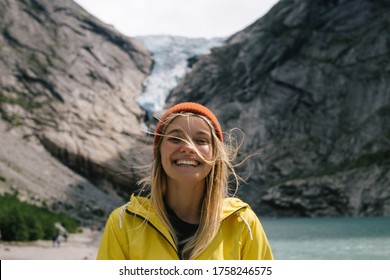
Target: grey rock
[
  {"x": 70, "y": 81},
  {"x": 32, "y": 173},
  {"x": 308, "y": 85}
]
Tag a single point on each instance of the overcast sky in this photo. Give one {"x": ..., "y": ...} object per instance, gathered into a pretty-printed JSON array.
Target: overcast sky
[{"x": 189, "y": 18}]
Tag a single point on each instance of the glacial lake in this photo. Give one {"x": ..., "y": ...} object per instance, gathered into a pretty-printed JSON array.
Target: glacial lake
[{"x": 360, "y": 238}]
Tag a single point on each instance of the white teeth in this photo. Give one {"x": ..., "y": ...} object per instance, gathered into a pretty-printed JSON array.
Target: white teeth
[{"x": 187, "y": 162}]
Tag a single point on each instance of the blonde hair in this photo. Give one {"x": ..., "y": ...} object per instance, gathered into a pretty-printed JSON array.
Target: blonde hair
[{"x": 217, "y": 184}]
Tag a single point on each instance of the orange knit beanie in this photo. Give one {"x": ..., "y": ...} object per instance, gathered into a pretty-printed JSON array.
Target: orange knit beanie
[{"x": 190, "y": 107}]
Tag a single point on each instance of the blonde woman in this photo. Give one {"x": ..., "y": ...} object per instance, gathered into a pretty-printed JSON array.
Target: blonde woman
[{"x": 187, "y": 213}]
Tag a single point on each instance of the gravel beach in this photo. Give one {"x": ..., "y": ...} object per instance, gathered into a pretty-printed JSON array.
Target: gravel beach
[{"x": 80, "y": 246}]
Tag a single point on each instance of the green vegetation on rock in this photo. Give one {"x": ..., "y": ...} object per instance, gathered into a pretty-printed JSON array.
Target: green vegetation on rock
[{"x": 20, "y": 221}]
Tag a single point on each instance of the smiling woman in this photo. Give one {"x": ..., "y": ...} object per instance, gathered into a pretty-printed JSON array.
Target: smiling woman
[{"x": 187, "y": 213}]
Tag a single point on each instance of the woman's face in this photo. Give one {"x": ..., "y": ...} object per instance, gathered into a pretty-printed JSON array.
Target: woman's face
[{"x": 179, "y": 158}]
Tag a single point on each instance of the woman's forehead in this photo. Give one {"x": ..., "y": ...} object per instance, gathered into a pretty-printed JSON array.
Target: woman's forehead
[{"x": 193, "y": 124}]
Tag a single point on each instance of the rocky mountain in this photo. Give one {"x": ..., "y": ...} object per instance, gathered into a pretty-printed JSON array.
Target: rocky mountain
[
  {"x": 68, "y": 83},
  {"x": 308, "y": 85}
]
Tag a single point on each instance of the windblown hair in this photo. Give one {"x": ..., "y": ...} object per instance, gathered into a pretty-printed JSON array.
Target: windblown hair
[{"x": 217, "y": 184}]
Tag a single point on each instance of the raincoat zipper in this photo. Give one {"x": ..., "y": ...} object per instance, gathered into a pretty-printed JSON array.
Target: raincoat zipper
[{"x": 153, "y": 226}]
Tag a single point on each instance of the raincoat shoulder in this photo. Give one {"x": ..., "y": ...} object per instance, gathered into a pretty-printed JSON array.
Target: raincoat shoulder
[
  {"x": 134, "y": 231},
  {"x": 241, "y": 233}
]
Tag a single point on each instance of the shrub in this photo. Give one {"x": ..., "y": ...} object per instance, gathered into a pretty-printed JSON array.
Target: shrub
[{"x": 20, "y": 221}]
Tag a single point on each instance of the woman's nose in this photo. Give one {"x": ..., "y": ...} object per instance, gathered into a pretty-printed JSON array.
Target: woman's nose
[{"x": 187, "y": 147}]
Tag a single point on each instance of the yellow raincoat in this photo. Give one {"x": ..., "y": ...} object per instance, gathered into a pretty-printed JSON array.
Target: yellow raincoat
[{"x": 135, "y": 232}]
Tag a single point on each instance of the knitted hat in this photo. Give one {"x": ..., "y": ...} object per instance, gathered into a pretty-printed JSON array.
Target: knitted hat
[{"x": 190, "y": 107}]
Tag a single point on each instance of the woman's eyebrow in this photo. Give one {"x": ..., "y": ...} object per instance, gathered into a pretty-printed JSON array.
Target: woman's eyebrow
[
  {"x": 203, "y": 132},
  {"x": 177, "y": 130},
  {"x": 181, "y": 131}
]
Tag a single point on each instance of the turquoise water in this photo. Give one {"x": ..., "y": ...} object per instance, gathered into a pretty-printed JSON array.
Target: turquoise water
[{"x": 359, "y": 238}]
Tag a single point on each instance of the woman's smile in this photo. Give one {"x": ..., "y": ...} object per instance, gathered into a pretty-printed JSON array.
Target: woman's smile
[{"x": 182, "y": 162}]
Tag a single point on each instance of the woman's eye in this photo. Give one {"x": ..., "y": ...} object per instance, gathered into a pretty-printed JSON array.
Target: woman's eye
[
  {"x": 201, "y": 141},
  {"x": 173, "y": 139}
]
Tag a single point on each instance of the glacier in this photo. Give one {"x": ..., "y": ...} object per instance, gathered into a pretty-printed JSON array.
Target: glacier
[{"x": 172, "y": 57}]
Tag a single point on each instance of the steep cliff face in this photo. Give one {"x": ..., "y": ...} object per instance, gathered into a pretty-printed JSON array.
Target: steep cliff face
[
  {"x": 308, "y": 84},
  {"x": 71, "y": 81}
]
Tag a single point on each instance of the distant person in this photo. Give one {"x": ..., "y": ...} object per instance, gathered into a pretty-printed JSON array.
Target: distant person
[
  {"x": 65, "y": 236},
  {"x": 56, "y": 240},
  {"x": 187, "y": 213}
]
